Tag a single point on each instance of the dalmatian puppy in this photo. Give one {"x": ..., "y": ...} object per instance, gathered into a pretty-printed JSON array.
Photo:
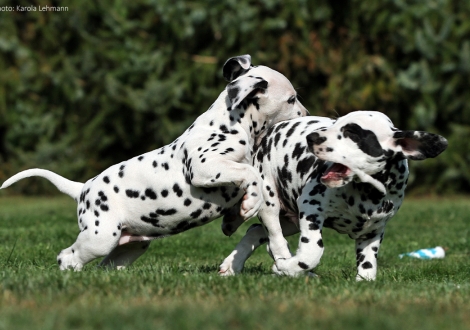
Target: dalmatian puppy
[
  {"x": 185, "y": 184},
  {"x": 347, "y": 174}
]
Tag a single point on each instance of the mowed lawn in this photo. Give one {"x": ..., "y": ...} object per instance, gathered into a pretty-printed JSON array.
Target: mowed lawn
[{"x": 175, "y": 284}]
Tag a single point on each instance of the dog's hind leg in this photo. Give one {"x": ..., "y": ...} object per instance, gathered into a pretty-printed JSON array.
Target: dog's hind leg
[
  {"x": 124, "y": 255},
  {"x": 91, "y": 243},
  {"x": 232, "y": 220}
]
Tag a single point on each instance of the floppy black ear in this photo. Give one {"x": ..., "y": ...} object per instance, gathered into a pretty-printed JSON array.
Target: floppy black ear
[
  {"x": 235, "y": 66},
  {"x": 417, "y": 145},
  {"x": 244, "y": 87}
]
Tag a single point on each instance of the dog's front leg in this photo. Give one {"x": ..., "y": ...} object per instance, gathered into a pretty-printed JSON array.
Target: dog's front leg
[
  {"x": 310, "y": 248},
  {"x": 278, "y": 247},
  {"x": 366, "y": 256},
  {"x": 217, "y": 173}
]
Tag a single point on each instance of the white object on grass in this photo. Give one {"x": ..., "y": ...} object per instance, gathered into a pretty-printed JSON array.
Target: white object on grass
[{"x": 431, "y": 253}]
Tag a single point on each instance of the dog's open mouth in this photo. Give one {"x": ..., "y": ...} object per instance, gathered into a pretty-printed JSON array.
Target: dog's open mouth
[{"x": 335, "y": 172}]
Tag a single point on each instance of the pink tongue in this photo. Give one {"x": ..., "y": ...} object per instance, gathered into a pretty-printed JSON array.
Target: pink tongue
[{"x": 335, "y": 172}]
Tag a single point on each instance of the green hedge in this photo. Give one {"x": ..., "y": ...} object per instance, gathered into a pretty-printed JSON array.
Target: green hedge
[{"x": 107, "y": 80}]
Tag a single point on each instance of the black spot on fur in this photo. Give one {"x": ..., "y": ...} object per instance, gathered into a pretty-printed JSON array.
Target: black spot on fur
[
  {"x": 303, "y": 265},
  {"x": 292, "y": 129},
  {"x": 150, "y": 194},
  {"x": 177, "y": 190},
  {"x": 165, "y": 212},
  {"x": 196, "y": 214},
  {"x": 367, "y": 265},
  {"x": 351, "y": 200},
  {"x": 305, "y": 165},
  {"x": 132, "y": 193},
  {"x": 366, "y": 140},
  {"x": 298, "y": 151}
]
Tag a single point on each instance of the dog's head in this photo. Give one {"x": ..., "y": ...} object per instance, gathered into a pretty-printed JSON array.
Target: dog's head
[
  {"x": 360, "y": 143},
  {"x": 270, "y": 92}
]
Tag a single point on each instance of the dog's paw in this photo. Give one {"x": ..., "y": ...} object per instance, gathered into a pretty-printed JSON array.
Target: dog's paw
[
  {"x": 226, "y": 272},
  {"x": 284, "y": 267},
  {"x": 68, "y": 259},
  {"x": 228, "y": 268},
  {"x": 360, "y": 278},
  {"x": 251, "y": 204}
]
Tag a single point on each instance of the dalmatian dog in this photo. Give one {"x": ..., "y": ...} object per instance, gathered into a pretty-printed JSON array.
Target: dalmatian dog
[
  {"x": 185, "y": 184},
  {"x": 347, "y": 174}
]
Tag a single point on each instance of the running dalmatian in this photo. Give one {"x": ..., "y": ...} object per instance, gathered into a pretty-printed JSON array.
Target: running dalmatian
[
  {"x": 349, "y": 175},
  {"x": 185, "y": 184}
]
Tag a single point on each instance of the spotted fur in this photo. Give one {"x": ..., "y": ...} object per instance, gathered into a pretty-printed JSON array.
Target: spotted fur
[
  {"x": 349, "y": 175},
  {"x": 185, "y": 184}
]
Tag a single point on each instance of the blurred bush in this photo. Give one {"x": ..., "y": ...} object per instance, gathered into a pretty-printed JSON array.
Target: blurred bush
[{"x": 107, "y": 80}]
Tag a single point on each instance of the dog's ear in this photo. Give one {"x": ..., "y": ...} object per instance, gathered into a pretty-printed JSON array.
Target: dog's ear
[
  {"x": 417, "y": 145},
  {"x": 245, "y": 87},
  {"x": 235, "y": 66}
]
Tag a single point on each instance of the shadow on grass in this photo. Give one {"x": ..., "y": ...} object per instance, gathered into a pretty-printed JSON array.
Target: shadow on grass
[{"x": 258, "y": 269}]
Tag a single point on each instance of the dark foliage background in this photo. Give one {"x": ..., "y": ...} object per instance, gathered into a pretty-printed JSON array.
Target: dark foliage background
[{"x": 108, "y": 80}]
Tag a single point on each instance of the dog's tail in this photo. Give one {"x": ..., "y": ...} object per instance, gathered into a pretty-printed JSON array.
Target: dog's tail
[{"x": 71, "y": 188}]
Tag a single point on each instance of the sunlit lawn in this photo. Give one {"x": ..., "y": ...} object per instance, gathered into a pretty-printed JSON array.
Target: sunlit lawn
[{"x": 175, "y": 284}]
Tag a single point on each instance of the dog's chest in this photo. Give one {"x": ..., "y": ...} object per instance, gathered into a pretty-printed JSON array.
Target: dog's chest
[
  {"x": 358, "y": 209},
  {"x": 347, "y": 215}
]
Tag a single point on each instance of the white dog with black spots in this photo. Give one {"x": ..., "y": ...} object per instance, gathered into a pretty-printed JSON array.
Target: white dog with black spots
[
  {"x": 186, "y": 184},
  {"x": 348, "y": 174}
]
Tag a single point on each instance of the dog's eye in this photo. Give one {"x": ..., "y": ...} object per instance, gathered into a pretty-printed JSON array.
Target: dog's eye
[{"x": 291, "y": 99}]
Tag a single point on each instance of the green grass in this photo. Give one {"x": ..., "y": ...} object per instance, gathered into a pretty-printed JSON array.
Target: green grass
[{"x": 175, "y": 284}]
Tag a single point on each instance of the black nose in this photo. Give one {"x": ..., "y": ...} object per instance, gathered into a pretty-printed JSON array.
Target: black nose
[{"x": 315, "y": 138}]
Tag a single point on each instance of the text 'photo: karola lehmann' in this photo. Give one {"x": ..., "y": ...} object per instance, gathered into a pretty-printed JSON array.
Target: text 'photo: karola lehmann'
[{"x": 32, "y": 8}]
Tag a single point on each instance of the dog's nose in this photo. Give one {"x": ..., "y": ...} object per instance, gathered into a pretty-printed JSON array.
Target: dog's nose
[{"x": 315, "y": 138}]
